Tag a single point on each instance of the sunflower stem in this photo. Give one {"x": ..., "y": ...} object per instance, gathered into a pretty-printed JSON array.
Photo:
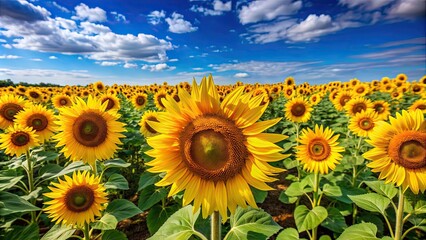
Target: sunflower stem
[
  {"x": 399, "y": 214},
  {"x": 215, "y": 226},
  {"x": 86, "y": 231},
  {"x": 297, "y": 126},
  {"x": 30, "y": 183},
  {"x": 315, "y": 201}
]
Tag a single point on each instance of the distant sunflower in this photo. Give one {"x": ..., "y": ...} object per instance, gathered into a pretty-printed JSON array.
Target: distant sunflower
[
  {"x": 289, "y": 92},
  {"x": 34, "y": 95},
  {"x": 77, "y": 200},
  {"x": 61, "y": 100},
  {"x": 397, "y": 95},
  {"x": 319, "y": 150},
  {"x": 146, "y": 129},
  {"x": 99, "y": 86},
  {"x": 314, "y": 99},
  {"x": 289, "y": 81},
  {"x": 357, "y": 105},
  {"x": 214, "y": 151},
  {"x": 298, "y": 110},
  {"x": 88, "y": 132},
  {"x": 419, "y": 104},
  {"x": 40, "y": 119},
  {"x": 17, "y": 140},
  {"x": 139, "y": 100},
  {"x": 10, "y": 105},
  {"x": 361, "y": 89},
  {"x": 363, "y": 123},
  {"x": 158, "y": 98},
  {"x": 341, "y": 99},
  {"x": 113, "y": 101},
  {"x": 399, "y": 152},
  {"x": 382, "y": 109}
]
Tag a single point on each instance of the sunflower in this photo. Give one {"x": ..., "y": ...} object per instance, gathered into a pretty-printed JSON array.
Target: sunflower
[
  {"x": 158, "y": 98},
  {"x": 361, "y": 89},
  {"x": 214, "y": 151},
  {"x": 77, "y": 200},
  {"x": 399, "y": 151},
  {"x": 34, "y": 95},
  {"x": 363, "y": 123},
  {"x": 61, "y": 100},
  {"x": 289, "y": 81},
  {"x": 113, "y": 101},
  {"x": 382, "y": 109},
  {"x": 314, "y": 99},
  {"x": 10, "y": 105},
  {"x": 341, "y": 99},
  {"x": 419, "y": 104},
  {"x": 139, "y": 100},
  {"x": 99, "y": 86},
  {"x": 357, "y": 105},
  {"x": 146, "y": 129},
  {"x": 289, "y": 92},
  {"x": 298, "y": 110},
  {"x": 318, "y": 149},
  {"x": 88, "y": 132},
  {"x": 40, "y": 119},
  {"x": 17, "y": 140}
]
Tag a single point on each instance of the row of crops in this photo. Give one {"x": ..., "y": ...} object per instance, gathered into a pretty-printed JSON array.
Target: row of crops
[{"x": 346, "y": 160}]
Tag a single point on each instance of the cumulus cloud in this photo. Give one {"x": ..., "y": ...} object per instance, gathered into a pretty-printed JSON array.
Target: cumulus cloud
[
  {"x": 155, "y": 17},
  {"x": 179, "y": 25},
  {"x": 119, "y": 17},
  {"x": 9, "y": 57},
  {"x": 62, "y": 8},
  {"x": 241, "y": 75},
  {"x": 158, "y": 67},
  {"x": 219, "y": 8},
  {"x": 408, "y": 8},
  {"x": 93, "y": 28},
  {"x": 84, "y": 12},
  {"x": 53, "y": 57},
  {"x": 267, "y": 10},
  {"x": 312, "y": 27},
  {"x": 130, "y": 65},
  {"x": 108, "y": 63},
  {"x": 23, "y": 11}
]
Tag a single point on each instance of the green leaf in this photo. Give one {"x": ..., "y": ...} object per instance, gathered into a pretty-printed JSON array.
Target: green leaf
[
  {"x": 374, "y": 219},
  {"x": 113, "y": 235},
  {"x": 290, "y": 163},
  {"x": 372, "y": 202},
  {"x": 286, "y": 199},
  {"x": 309, "y": 219},
  {"x": 122, "y": 209},
  {"x": 332, "y": 191},
  {"x": 295, "y": 189},
  {"x": 59, "y": 232},
  {"x": 325, "y": 237},
  {"x": 420, "y": 207},
  {"x": 158, "y": 215},
  {"x": 361, "y": 231},
  {"x": 117, "y": 181},
  {"x": 11, "y": 203},
  {"x": 7, "y": 182},
  {"x": 334, "y": 221},
  {"x": 45, "y": 156},
  {"x": 346, "y": 191},
  {"x": 29, "y": 232},
  {"x": 288, "y": 234},
  {"x": 259, "y": 195},
  {"x": 251, "y": 223},
  {"x": 179, "y": 226},
  {"x": 146, "y": 179},
  {"x": 107, "y": 222},
  {"x": 118, "y": 163},
  {"x": 74, "y": 166},
  {"x": 382, "y": 188},
  {"x": 48, "y": 170},
  {"x": 150, "y": 196}
]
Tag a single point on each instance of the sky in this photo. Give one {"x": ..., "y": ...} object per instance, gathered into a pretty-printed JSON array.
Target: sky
[{"x": 140, "y": 42}]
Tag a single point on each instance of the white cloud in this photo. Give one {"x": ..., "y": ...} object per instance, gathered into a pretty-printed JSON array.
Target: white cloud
[
  {"x": 65, "y": 23},
  {"x": 390, "y": 54},
  {"x": 267, "y": 10},
  {"x": 312, "y": 27},
  {"x": 84, "y": 12},
  {"x": 23, "y": 11},
  {"x": 93, "y": 28},
  {"x": 2, "y": 40},
  {"x": 62, "y": 8},
  {"x": 169, "y": 38},
  {"x": 222, "y": 6},
  {"x": 80, "y": 58},
  {"x": 155, "y": 17},
  {"x": 173, "y": 60},
  {"x": 7, "y": 46},
  {"x": 241, "y": 75},
  {"x": 108, "y": 63},
  {"x": 9, "y": 57},
  {"x": 408, "y": 8},
  {"x": 197, "y": 69},
  {"x": 179, "y": 25},
  {"x": 158, "y": 67},
  {"x": 368, "y": 5},
  {"x": 119, "y": 17},
  {"x": 53, "y": 57},
  {"x": 130, "y": 65},
  {"x": 219, "y": 8},
  {"x": 36, "y": 59},
  {"x": 421, "y": 41}
]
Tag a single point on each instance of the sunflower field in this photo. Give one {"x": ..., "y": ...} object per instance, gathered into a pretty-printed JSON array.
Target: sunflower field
[{"x": 342, "y": 160}]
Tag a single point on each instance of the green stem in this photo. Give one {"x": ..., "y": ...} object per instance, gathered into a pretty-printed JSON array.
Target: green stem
[
  {"x": 31, "y": 183},
  {"x": 408, "y": 230},
  {"x": 297, "y": 126},
  {"x": 315, "y": 201},
  {"x": 389, "y": 226},
  {"x": 215, "y": 225},
  {"x": 86, "y": 231},
  {"x": 399, "y": 215}
]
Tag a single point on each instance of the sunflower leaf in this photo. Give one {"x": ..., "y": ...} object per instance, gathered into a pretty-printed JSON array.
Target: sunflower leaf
[
  {"x": 7, "y": 182},
  {"x": 107, "y": 222},
  {"x": 122, "y": 209},
  {"x": 74, "y": 166},
  {"x": 113, "y": 235},
  {"x": 158, "y": 215},
  {"x": 146, "y": 179},
  {"x": 309, "y": 219},
  {"x": 117, "y": 181},
  {"x": 11, "y": 203},
  {"x": 250, "y": 223},
  {"x": 59, "y": 232},
  {"x": 117, "y": 162},
  {"x": 288, "y": 234},
  {"x": 150, "y": 196},
  {"x": 29, "y": 232},
  {"x": 372, "y": 202},
  {"x": 361, "y": 231},
  {"x": 334, "y": 221},
  {"x": 382, "y": 188}
]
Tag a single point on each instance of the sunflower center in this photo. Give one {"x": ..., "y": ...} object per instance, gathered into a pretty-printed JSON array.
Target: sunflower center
[
  {"x": 359, "y": 107},
  {"x": 408, "y": 149},
  {"x": 110, "y": 104},
  {"x": 298, "y": 109},
  {"x": 63, "y": 102},
  {"x": 148, "y": 127},
  {"x": 213, "y": 148},
  {"x": 366, "y": 124},
  {"x": 360, "y": 90},
  {"x": 90, "y": 129},
  {"x": 319, "y": 149},
  {"x": 421, "y": 107},
  {"x": 34, "y": 94},
  {"x": 79, "y": 199},
  {"x": 37, "y": 121},
  {"x": 9, "y": 110},
  {"x": 20, "y": 139},
  {"x": 344, "y": 100},
  {"x": 140, "y": 100},
  {"x": 379, "y": 108}
]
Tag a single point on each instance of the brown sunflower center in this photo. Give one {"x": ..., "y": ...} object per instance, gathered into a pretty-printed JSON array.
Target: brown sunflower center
[
  {"x": 37, "y": 121},
  {"x": 213, "y": 148},
  {"x": 160, "y": 99},
  {"x": 319, "y": 149},
  {"x": 298, "y": 109},
  {"x": 79, "y": 199},
  {"x": 359, "y": 107},
  {"x": 110, "y": 103},
  {"x": 63, "y": 102},
  {"x": 421, "y": 107},
  {"x": 148, "y": 127},
  {"x": 20, "y": 139},
  {"x": 9, "y": 110},
  {"x": 379, "y": 108},
  {"x": 408, "y": 149},
  {"x": 344, "y": 99},
  {"x": 90, "y": 129},
  {"x": 140, "y": 100},
  {"x": 360, "y": 90},
  {"x": 34, "y": 94},
  {"x": 366, "y": 124}
]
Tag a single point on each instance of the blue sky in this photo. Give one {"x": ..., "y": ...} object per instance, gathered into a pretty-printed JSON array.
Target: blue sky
[{"x": 152, "y": 41}]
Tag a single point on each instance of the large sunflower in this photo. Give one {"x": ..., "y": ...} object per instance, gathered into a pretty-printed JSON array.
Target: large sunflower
[
  {"x": 10, "y": 105},
  {"x": 298, "y": 110},
  {"x": 17, "y": 140},
  {"x": 88, "y": 132},
  {"x": 214, "y": 151},
  {"x": 399, "y": 152},
  {"x": 76, "y": 200},
  {"x": 40, "y": 119},
  {"x": 363, "y": 123},
  {"x": 318, "y": 149}
]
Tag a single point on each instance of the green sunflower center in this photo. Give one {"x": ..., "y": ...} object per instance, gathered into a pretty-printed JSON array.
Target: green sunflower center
[
  {"x": 90, "y": 129},
  {"x": 408, "y": 149},
  {"x": 298, "y": 109},
  {"x": 37, "y": 121},
  {"x": 210, "y": 149},
  {"x": 79, "y": 199},
  {"x": 20, "y": 139},
  {"x": 9, "y": 110}
]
